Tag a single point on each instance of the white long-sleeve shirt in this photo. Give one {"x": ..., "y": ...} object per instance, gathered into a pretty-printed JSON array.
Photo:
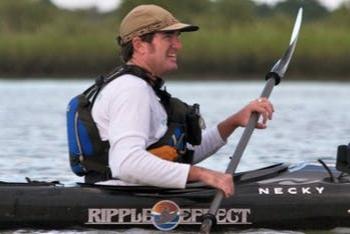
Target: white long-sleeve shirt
[{"x": 129, "y": 115}]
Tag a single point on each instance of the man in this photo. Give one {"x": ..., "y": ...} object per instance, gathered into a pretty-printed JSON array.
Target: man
[{"x": 132, "y": 114}]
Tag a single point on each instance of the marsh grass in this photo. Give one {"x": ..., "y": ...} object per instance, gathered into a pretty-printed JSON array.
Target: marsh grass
[{"x": 62, "y": 43}]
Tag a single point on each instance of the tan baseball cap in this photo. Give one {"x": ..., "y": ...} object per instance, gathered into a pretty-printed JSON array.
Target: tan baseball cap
[{"x": 145, "y": 19}]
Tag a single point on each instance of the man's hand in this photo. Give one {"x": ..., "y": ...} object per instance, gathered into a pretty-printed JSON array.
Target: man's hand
[
  {"x": 240, "y": 119},
  {"x": 216, "y": 179}
]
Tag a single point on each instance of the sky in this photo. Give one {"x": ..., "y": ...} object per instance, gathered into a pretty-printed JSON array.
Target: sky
[{"x": 107, "y": 5}]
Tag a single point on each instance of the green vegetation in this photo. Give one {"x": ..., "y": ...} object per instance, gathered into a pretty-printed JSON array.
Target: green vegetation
[{"x": 237, "y": 38}]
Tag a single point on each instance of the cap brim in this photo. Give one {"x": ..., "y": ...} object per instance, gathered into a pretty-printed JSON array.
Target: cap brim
[{"x": 180, "y": 27}]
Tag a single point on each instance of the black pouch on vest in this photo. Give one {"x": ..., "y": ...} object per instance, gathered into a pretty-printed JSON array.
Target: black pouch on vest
[{"x": 193, "y": 119}]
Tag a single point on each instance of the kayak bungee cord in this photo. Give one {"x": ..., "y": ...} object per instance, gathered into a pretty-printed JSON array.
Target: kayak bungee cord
[{"x": 273, "y": 78}]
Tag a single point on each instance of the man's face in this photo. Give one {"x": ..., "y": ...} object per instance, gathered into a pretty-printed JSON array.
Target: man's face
[{"x": 161, "y": 53}]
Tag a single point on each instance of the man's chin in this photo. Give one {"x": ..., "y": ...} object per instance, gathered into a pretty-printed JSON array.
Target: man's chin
[{"x": 170, "y": 69}]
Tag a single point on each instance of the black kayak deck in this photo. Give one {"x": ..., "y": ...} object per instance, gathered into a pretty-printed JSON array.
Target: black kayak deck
[{"x": 279, "y": 196}]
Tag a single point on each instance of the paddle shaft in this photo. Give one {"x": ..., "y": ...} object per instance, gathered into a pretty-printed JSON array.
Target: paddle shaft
[
  {"x": 273, "y": 78},
  {"x": 237, "y": 155}
]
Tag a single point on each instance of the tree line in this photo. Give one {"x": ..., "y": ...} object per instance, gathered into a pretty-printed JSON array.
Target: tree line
[{"x": 237, "y": 38}]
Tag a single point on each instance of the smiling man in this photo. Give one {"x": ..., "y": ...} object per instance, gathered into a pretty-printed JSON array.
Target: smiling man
[{"x": 155, "y": 139}]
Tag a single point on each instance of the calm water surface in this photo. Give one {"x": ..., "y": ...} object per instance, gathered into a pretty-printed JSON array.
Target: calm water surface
[{"x": 311, "y": 119}]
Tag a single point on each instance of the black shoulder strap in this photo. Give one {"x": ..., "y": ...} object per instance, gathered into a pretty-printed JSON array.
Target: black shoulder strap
[
  {"x": 101, "y": 81},
  {"x": 155, "y": 82}
]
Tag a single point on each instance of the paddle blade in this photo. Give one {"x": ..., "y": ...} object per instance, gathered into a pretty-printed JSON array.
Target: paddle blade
[
  {"x": 280, "y": 67},
  {"x": 297, "y": 26}
]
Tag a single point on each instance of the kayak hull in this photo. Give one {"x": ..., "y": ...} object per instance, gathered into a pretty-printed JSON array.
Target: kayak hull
[{"x": 295, "y": 197}]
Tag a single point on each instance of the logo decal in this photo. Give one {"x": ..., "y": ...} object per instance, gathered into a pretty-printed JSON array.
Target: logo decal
[
  {"x": 165, "y": 215},
  {"x": 290, "y": 190}
]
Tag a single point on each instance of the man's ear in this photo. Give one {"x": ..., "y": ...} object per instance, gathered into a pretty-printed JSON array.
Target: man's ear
[{"x": 138, "y": 45}]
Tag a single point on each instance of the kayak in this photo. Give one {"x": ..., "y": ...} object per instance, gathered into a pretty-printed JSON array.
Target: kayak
[{"x": 299, "y": 196}]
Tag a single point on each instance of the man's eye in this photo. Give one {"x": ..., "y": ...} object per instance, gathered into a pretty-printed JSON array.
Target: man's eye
[
  {"x": 171, "y": 35},
  {"x": 168, "y": 34}
]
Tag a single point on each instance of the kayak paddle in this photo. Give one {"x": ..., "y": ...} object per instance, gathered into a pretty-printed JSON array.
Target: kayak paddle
[{"x": 273, "y": 78}]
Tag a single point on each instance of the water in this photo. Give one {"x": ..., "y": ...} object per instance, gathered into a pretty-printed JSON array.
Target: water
[{"x": 310, "y": 121}]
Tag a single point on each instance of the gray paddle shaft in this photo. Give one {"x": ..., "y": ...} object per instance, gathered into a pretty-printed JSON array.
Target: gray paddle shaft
[
  {"x": 273, "y": 78},
  {"x": 237, "y": 155}
]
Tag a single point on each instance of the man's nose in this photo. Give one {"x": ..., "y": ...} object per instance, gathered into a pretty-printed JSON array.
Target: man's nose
[{"x": 176, "y": 42}]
